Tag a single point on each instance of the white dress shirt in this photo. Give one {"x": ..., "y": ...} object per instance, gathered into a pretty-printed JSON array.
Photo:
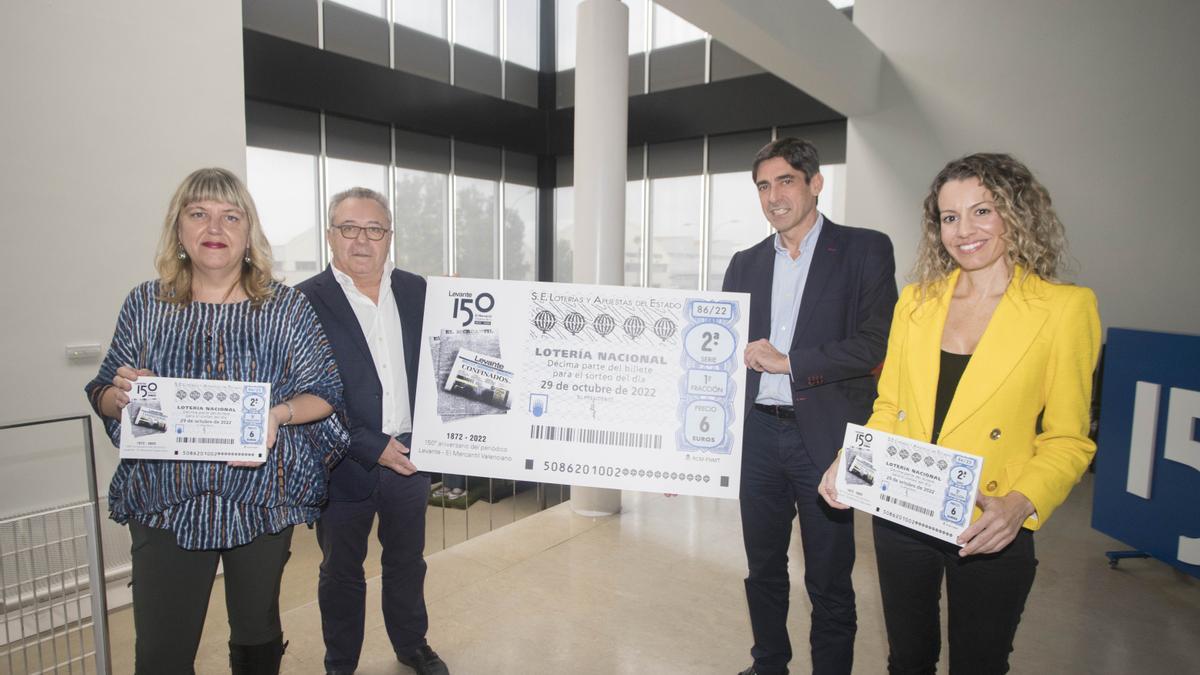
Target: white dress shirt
[
  {"x": 381, "y": 327},
  {"x": 787, "y": 290}
]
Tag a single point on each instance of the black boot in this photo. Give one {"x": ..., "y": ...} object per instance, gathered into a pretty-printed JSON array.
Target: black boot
[{"x": 260, "y": 659}]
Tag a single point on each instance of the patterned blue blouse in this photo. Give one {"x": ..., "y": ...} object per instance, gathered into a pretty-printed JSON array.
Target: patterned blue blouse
[{"x": 210, "y": 505}]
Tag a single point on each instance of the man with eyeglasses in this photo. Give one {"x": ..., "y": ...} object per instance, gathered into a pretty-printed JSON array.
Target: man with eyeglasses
[{"x": 372, "y": 313}]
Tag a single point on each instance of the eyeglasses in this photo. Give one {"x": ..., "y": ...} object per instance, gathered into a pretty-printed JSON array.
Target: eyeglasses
[{"x": 352, "y": 231}]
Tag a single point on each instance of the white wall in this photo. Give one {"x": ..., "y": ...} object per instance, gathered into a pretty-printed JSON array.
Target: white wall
[
  {"x": 107, "y": 106},
  {"x": 1099, "y": 97}
]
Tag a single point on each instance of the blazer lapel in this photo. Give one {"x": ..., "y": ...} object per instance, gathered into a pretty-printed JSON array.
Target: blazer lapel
[
  {"x": 409, "y": 325},
  {"x": 1012, "y": 329},
  {"x": 923, "y": 355},
  {"x": 827, "y": 254},
  {"x": 331, "y": 293},
  {"x": 763, "y": 259}
]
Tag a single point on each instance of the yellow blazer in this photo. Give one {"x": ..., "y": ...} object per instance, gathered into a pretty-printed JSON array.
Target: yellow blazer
[{"x": 1036, "y": 357}]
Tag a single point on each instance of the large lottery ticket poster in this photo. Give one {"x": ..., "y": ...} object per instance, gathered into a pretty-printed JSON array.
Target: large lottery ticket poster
[{"x": 627, "y": 388}]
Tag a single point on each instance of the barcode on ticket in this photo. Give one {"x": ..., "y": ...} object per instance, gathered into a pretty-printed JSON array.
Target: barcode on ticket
[
  {"x": 200, "y": 440},
  {"x": 628, "y": 439},
  {"x": 907, "y": 505}
]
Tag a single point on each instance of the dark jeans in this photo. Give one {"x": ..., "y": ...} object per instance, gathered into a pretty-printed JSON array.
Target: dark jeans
[
  {"x": 985, "y": 595},
  {"x": 171, "y": 589},
  {"x": 779, "y": 480},
  {"x": 342, "y": 532}
]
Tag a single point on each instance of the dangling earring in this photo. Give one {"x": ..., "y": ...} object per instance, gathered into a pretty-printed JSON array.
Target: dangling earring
[
  {"x": 182, "y": 255},
  {"x": 247, "y": 258}
]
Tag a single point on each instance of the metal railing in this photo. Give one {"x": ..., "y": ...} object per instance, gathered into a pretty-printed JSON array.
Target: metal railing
[{"x": 53, "y": 606}]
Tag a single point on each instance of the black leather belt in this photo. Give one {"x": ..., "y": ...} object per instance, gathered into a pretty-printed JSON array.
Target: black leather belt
[{"x": 783, "y": 412}]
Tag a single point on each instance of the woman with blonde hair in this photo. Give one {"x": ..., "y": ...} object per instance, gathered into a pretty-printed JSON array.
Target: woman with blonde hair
[
  {"x": 989, "y": 353},
  {"x": 215, "y": 313}
]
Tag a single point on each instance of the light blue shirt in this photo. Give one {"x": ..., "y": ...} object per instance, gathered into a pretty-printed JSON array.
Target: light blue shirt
[{"x": 787, "y": 289}]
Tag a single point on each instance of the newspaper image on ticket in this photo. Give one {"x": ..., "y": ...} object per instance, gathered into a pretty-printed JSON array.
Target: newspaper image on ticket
[
  {"x": 480, "y": 378},
  {"x": 200, "y": 420},
  {"x": 603, "y": 386},
  {"x": 925, "y": 487}
]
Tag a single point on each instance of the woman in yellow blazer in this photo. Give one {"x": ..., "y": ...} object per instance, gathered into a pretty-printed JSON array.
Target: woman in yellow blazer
[{"x": 989, "y": 354}]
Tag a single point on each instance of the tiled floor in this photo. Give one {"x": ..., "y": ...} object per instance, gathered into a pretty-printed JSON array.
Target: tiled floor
[{"x": 658, "y": 589}]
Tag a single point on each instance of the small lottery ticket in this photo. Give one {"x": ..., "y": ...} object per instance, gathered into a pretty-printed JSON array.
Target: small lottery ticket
[
  {"x": 202, "y": 420},
  {"x": 922, "y": 486}
]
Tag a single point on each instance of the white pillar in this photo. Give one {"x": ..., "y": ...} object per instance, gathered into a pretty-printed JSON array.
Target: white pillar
[{"x": 601, "y": 139}]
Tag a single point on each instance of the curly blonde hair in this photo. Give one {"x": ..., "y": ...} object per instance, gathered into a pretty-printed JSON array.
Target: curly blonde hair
[
  {"x": 1034, "y": 236},
  {"x": 175, "y": 272}
]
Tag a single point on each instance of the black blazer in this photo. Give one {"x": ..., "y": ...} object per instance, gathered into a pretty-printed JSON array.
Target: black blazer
[
  {"x": 354, "y": 479},
  {"x": 841, "y": 328}
]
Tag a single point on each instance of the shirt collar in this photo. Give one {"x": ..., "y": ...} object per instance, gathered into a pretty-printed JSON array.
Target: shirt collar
[
  {"x": 807, "y": 242},
  {"x": 347, "y": 283}
]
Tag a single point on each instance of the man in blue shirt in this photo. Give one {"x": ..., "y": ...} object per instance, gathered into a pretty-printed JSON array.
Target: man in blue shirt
[{"x": 820, "y": 309}]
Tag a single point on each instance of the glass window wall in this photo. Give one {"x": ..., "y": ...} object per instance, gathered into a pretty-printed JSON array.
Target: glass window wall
[
  {"x": 676, "y": 211},
  {"x": 427, "y": 16},
  {"x": 475, "y": 203},
  {"x": 521, "y": 32},
  {"x": 637, "y": 25},
  {"x": 520, "y": 232},
  {"x": 832, "y": 201},
  {"x": 421, "y": 221},
  {"x": 736, "y": 221},
  {"x": 476, "y": 25},
  {"x": 373, "y": 7},
  {"x": 284, "y": 187},
  {"x": 677, "y": 225},
  {"x": 343, "y": 174},
  {"x": 287, "y": 186},
  {"x": 564, "y": 233},
  {"x": 670, "y": 29},
  {"x": 634, "y": 197}
]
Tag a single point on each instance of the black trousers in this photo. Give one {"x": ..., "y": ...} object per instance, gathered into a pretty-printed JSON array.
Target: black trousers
[
  {"x": 171, "y": 589},
  {"x": 779, "y": 480},
  {"x": 342, "y": 532},
  {"x": 985, "y": 595}
]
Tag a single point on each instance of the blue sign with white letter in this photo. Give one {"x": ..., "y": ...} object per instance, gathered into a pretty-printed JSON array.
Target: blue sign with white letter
[{"x": 1148, "y": 459}]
